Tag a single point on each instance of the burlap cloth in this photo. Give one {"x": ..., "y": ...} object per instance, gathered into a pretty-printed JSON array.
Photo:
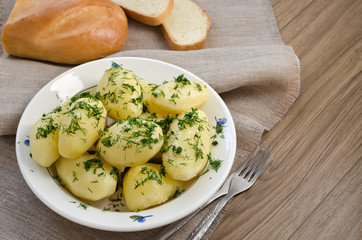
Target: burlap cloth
[{"x": 244, "y": 60}]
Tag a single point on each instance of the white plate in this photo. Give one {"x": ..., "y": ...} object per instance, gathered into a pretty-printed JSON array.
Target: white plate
[{"x": 84, "y": 76}]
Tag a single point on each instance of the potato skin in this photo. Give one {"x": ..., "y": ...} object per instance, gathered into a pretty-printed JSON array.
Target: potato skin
[
  {"x": 130, "y": 142},
  {"x": 43, "y": 139},
  {"x": 148, "y": 185},
  {"x": 87, "y": 177},
  {"x": 187, "y": 145},
  {"x": 121, "y": 94},
  {"x": 179, "y": 95},
  {"x": 81, "y": 126}
]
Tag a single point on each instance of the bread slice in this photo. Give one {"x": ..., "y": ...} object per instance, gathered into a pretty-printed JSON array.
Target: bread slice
[
  {"x": 187, "y": 26},
  {"x": 71, "y": 32},
  {"x": 150, "y": 12}
]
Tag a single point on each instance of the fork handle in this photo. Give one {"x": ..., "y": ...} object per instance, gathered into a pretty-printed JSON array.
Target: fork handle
[
  {"x": 176, "y": 226},
  {"x": 201, "y": 229}
]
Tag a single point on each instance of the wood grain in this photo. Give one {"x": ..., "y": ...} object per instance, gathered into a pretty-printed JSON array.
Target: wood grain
[{"x": 313, "y": 188}]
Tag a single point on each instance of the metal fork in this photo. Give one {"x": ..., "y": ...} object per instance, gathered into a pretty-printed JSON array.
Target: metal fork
[
  {"x": 252, "y": 168},
  {"x": 221, "y": 192}
]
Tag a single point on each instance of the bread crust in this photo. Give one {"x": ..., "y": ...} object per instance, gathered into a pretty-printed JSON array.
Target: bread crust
[
  {"x": 185, "y": 47},
  {"x": 150, "y": 20},
  {"x": 181, "y": 47},
  {"x": 71, "y": 32}
]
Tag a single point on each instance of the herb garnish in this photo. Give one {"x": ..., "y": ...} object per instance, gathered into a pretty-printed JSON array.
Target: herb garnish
[
  {"x": 151, "y": 175},
  {"x": 94, "y": 163},
  {"x": 183, "y": 80},
  {"x": 214, "y": 163},
  {"x": 48, "y": 128},
  {"x": 92, "y": 109},
  {"x": 219, "y": 130},
  {"x": 59, "y": 180},
  {"x": 117, "y": 201},
  {"x": 177, "y": 192},
  {"x": 134, "y": 132},
  {"x": 191, "y": 118},
  {"x": 75, "y": 178},
  {"x": 196, "y": 146},
  {"x": 82, "y": 205}
]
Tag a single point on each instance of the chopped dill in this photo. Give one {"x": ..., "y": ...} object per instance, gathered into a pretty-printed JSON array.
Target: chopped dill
[
  {"x": 196, "y": 146},
  {"x": 214, "y": 163},
  {"x": 176, "y": 150},
  {"x": 183, "y": 80},
  {"x": 49, "y": 127},
  {"x": 82, "y": 205},
  {"x": 75, "y": 178},
  {"x": 177, "y": 193},
  {"x": 151, "y": 175},
  {"x": 134, "y": 132},
  {"x": 190, "y": 119},
  {"x": 106, "y": 209},
  {"x": 94, "y": 163},
  {"x": 198, "y": 87}
]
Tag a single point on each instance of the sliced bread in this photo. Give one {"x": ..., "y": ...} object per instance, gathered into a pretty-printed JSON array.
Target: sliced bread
[
  {"x": 187, "y": 26},
  {"x": 150, "y": 12}
]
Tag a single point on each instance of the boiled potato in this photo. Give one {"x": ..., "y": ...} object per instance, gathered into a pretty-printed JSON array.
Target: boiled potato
[
  {"x": 147, "y": 90},
  {"x": 179, "y": 95},
  {"x": 81, "y": 127},
  {"x": 43, "y": 139},
  {"x": 164, "y": 121},
  {"x": 130, "y": 142},
  {"x": 120, "y": 93},
  {"x": 187, "y": 145},
  {"x": 148, "y": 185},
  {"x": 68, "y": 103},
  {"x": 87, "y": 177}
]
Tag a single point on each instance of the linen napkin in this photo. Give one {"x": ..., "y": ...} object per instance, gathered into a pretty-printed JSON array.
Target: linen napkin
[{"x": 243, "y": 59}]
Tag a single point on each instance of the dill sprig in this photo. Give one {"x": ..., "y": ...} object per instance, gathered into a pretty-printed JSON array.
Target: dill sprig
[
  {"x": 214, "y": 163},
  {"x": 182, "y": 80},
  {"x": 151, "y": 174},
  {"x": 48, "y": 128}
]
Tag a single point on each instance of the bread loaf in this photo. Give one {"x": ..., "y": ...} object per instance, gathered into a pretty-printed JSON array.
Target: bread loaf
[
  {"x": 150, "y": 12},
  {"x": 71, "y": 32},
  {"x": 187, "y": 26}
]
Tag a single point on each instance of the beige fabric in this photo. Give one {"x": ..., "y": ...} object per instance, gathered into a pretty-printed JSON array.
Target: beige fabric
[{"x": 243, "y": 59}]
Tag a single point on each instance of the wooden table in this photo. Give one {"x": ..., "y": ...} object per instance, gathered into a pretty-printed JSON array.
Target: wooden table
[{"x": 313, "y": 188}]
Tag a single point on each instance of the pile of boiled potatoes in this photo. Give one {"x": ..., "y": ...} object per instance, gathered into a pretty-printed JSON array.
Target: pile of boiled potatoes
[{"x": 149, "y": 121}]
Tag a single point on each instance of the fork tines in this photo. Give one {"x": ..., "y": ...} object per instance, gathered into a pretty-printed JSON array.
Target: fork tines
[{"x": 256, "y": 163}]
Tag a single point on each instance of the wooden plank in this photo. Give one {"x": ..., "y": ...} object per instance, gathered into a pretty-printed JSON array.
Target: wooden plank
[
  {"x": 339, "y": 215},
  {"x": 318, "y": 142},
  {"x": 305, "y": 164},
  {"x": 286, "y": 11}
]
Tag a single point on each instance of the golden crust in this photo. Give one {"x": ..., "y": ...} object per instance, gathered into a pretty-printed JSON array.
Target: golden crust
[
  {"x": 70, "y": 32},
  {"x": 181, "y": 47},
  {"x": 172, "y": 43},
  {"x": 150, "y": 20}
]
